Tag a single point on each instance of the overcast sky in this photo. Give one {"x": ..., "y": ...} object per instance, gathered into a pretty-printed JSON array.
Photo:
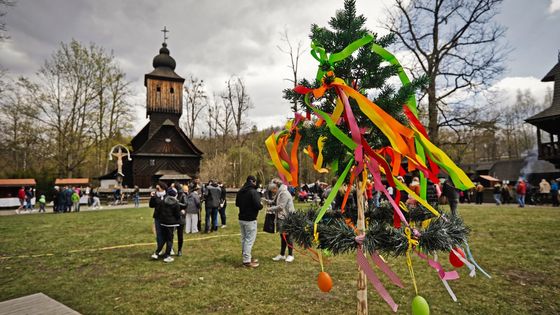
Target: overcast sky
[{"x": 214, "y": 39}]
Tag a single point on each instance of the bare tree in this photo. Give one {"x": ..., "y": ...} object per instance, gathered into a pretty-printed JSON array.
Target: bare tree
[
  {"x": 294, "y": 53},
  {"x": 4, "y": 4},
  {"x": 455, "y": 44},
  {"x": 212, "y": 117},
  {"x": 519, "y": 137},
  {"x": 195, "y": 102},
  {"x": 223, "y": 119},
  {"x": 237, "y": 100}
]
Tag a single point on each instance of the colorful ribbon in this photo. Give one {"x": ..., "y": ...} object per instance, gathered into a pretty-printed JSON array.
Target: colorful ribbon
[{"x": 373, "y": 279}]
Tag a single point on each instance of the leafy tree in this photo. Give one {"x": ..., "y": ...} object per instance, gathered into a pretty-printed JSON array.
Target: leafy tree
[{"x": 79, "y": 101}]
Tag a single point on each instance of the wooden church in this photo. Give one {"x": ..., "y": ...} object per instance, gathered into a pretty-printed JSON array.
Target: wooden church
[
  {"x": 548, "y": 121},
  {"x": 162, "y": 150}
]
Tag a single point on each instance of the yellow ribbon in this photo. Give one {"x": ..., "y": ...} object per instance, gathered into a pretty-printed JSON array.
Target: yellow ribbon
[
  {"x": 411, "y": 193},
  {"x": 411, "y": 243},
  {"x": 337, "y": 110},
  {"x": 319, "y": 163},
  {"x": 273, "y": 152},
  {"x": 460, "y": 179}
]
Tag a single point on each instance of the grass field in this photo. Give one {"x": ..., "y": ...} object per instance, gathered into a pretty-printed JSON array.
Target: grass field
[{"x": 76, "y": 259}]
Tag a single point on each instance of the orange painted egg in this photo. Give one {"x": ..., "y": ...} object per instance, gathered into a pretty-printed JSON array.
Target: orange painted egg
[{"x": 324, "y": 281}]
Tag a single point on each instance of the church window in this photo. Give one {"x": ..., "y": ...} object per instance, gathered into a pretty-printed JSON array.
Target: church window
[
  {"x": 152, "y": 162},
  {"x": 167, "y": 140},
  {"x": 158, "y": 89},
  {"x": 171, "y": 91}
]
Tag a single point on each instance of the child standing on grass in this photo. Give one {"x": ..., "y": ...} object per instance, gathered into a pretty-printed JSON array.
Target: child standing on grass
[
  {"x": 76, "y": 201},
  {"x": 42, "y": 203},
  {"x": 136, "y": 197}
]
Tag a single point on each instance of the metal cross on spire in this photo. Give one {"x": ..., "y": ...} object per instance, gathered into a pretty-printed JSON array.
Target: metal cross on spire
[{"x": 165, "y": 31}]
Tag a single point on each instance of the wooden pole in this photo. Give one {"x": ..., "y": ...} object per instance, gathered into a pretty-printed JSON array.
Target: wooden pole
[{"x": 362, "y": 280}]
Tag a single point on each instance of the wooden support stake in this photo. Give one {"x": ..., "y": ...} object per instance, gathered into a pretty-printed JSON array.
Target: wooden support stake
[{"x": 362, "y": 280}]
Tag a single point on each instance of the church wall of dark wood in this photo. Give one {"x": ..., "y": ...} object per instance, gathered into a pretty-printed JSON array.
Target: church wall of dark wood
[
  {"x": 164, "y": 96},
  {"x": 144, "y": 168},
  {"x": 162, "y": 145},
  {"x": 157, "y": 120},
  {"x": 167, "y": 140}
]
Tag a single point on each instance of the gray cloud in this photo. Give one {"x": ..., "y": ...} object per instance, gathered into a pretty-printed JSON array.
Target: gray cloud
[{"x": 215, "y": 39}]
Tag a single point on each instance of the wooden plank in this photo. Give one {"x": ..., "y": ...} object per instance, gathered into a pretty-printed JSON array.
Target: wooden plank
[{"x": 38, "y": 303}]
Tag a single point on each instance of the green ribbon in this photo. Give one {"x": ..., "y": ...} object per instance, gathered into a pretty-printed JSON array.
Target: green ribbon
[
  {"x": 326, "y": 63},
  {"x": 411, "y": 104},
  {"x": 390, "y": 58},
  {"x": 334, "y": 191},
  {"x": 335, "y": 131}
]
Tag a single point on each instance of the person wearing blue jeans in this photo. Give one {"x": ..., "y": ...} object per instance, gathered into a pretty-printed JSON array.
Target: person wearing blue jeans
[
  {"x": 212, "y": 196},
  {"x": 521, "y": 190},
  {"x": 211, "y": 219},
  {"x": 521, "y": 200},
  {"x": 248, "y": 237},
  {"x": 497, "y": 194},
  {"x": 248, "y": 200},
  {"x": 136, "y": 196}
]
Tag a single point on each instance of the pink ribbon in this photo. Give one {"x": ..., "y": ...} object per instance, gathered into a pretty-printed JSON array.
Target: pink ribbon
[
  {"x": 374, "y": 280},
  {"x": 374, "y": 168},
  {"x": 444, "y": 275},
  {"x": 297, "y": 118},
  {"x": 352, "y": 124},
  {"x": 386, "y": 269}
]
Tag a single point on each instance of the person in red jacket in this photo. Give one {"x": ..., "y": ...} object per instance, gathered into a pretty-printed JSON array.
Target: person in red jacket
[
  {"x": 369, "y": 194},
  {"x": 521, "y": 190},
  {"x": 21, "y": 196}
]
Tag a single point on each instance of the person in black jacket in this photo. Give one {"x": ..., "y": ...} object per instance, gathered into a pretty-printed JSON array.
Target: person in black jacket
[
  {"x": 212, "y": 203},
  {"x": 223, "y": 204},
  {"x": 248, "y": 200},
  {"x": 157, "y": 205},
  {"x": 182, "y": 192},
  {"x": 450, "y": 192},
  {"x": 169, "y": 219},
  {"x": 55, "y": 197}
]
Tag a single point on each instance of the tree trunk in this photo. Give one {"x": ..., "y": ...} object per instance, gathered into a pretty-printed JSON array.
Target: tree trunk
[
  {"x": 433, "y": 128},
  {"x": 362, "y": 280}
]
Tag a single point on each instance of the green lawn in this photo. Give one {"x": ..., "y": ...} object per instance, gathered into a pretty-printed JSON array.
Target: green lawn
[{"x": 55, "y": 254}]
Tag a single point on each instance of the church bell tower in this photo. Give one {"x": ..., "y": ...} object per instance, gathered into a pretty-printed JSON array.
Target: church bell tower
[{"x": 164, "y": 90}]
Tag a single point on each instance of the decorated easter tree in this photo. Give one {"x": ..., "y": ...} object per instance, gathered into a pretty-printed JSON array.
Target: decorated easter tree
[{"x": 357, "y": 125}]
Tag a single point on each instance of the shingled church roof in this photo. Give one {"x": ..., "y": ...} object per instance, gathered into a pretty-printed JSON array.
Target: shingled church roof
[{"x": 549, "y": 119}]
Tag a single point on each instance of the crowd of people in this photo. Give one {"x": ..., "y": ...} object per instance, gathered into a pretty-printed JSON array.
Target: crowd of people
[
  {"x": 179, "y": 208},
  {"x": 522, "y": 193},
  {"x": 66, "y": 199}
]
